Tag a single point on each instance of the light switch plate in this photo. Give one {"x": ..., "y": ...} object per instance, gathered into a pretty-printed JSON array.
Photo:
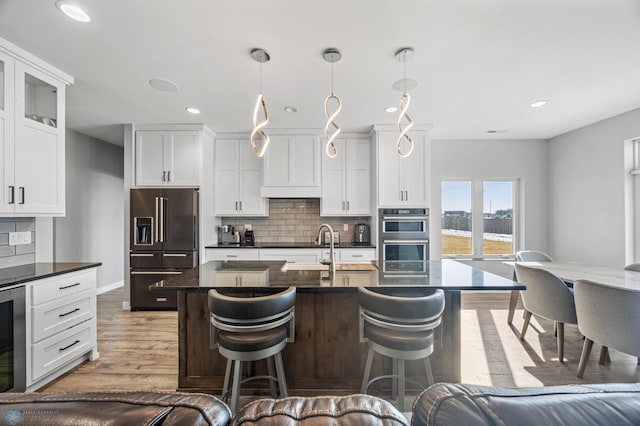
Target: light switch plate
[
  {"x": 17, "y": 238},
  {"x": 345, "y": 226}
]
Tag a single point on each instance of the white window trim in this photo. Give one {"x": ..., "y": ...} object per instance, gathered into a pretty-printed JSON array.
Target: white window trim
[{"x": 477, "y": 221}]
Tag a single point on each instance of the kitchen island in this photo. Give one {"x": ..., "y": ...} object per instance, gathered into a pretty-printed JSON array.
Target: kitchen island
[{"x": 327, "y": 356}]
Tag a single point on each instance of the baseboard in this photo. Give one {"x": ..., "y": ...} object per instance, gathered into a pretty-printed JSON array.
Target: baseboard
[
  {"x": 126, "y": 305},
  {"x": 109, "y": 287}
]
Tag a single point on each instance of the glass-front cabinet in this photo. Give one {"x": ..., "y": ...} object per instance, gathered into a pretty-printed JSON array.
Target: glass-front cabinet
[{"x": 32, "y": 126}]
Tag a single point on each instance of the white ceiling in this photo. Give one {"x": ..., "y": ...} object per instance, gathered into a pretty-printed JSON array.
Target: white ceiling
[{"x": 479, "y": 64}]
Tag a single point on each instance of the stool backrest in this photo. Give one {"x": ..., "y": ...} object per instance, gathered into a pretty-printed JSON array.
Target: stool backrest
[
  {"x": 408, "y": 313},
  {"x": 546, "y": 294},
  {"x": 252, "y": 314}
]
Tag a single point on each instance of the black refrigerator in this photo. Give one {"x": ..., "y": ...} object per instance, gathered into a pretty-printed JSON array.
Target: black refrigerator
[{"x": 163, "y": 242}]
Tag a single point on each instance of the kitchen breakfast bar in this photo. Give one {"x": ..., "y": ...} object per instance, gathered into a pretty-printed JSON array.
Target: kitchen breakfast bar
[{"x": 326, "y": 356}]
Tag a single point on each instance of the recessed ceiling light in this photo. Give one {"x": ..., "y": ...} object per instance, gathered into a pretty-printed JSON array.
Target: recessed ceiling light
[
  {"x": 192, "y": 110},
  {"x": 290, "y": 108},
  {"x": 538, "y": 104},
  {"x": 163, "y": 85},
  {"x": 391, "y": 109},
  {"x": 73, "y": 11}
]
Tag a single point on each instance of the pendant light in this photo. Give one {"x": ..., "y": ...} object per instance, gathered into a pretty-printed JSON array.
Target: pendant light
[
  {"x": 403, "y": 55},
  {"x": 331, "y": 55},
  {"x": 261, "y": 56}
]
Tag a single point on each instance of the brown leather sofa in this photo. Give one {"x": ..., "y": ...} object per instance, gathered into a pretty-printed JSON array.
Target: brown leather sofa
[
  {"x": 442, "y": 404},
  {"x": 446, "y": 404}
]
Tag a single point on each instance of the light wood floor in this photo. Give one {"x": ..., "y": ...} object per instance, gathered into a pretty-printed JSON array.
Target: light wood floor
[{"x": 139, "y": 350}]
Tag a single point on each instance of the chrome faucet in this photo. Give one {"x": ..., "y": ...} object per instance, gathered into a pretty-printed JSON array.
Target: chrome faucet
[{"x": 332, "y": 260}]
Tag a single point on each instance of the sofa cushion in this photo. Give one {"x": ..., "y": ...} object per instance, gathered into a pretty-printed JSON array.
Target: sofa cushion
[
  {"x": 351, "y": 410},
  {"x": 113, "y": 408},
  {"x": 455, "y": 404}
]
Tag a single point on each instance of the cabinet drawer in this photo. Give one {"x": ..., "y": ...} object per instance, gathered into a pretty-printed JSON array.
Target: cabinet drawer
[
  {"x": 357, "y": 255},
  {"x": 54, "y": 352},
  {"x": 49, "y": 289},
  {"x": 143, "y": 298},
  {"x": 50, "y": 318},
  {"x": 237, "y": 254}
]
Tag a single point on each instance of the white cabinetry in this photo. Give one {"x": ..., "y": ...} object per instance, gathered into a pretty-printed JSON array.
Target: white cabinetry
[
  {"x": 61, "y": 325},
  {"x": 292, "y": 166},
  {"x": 238, "y": 179},
  {"x": 299, "y": 255},
  {"x": 168, "y": 158},
  {"x": 402, "y": 181},
  {"x": 242, "y": 278},
  {"x": 346, "y": 179},
  {"x": 359, "y": 255},
  {"x": 32, "y": 135}
]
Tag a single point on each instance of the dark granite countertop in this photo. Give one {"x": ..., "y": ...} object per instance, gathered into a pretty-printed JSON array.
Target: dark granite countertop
[
  {"x": 35, "y": 271},
  {"x": 288, "y": 245},
  {"x": 445, "y": 274}
]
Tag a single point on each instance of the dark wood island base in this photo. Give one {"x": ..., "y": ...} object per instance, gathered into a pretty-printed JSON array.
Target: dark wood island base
[{"x": 327, "y": 356}]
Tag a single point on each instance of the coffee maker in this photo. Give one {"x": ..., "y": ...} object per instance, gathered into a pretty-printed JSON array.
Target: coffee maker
[
  {"x": 227, "y": 236},
  {"x": 361, "y": 234}
]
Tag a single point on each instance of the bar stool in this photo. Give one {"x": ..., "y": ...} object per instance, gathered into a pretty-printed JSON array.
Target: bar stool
[
  {"x": 401, "y": 328},
  {"x": 252, "y": 329}
]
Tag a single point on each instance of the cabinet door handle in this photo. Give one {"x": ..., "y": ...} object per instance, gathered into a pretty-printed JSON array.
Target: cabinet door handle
[
  {"x": 401, "y": 195},
  {"x": 236, "y": 209},
  {"x": 240, "y": 205},
  {"x": 161, "y": 299},
  {"x": 347, "y": 205},
  {"x": 406, "y": 195},
  {"x": 12, "y": 194},
  {"x": 69, "y": 313},
  {"x": 169, "y": 175},
  {"x": 343, "y": 206},
  {"x": 68, "y": 286},
  {"x": 68, "y": 346},
  {"x": 164, "y": 176},
  {"x": 21, "y": 193}
]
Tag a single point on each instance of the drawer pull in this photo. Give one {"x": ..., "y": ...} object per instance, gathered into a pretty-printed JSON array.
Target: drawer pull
[
  {"x": 68, "y": 346},
  {"x": 175, "y": 254},
  {"x": 69, "y": 286},
  {"x": 232, "y": 255},
  {"x": 161, "y": 299},
  {"x": 69, "y": 313},
  {"x": 155, "y": 272},
  {"x": 142, "y": 254},
  {"x": 356, "y": 255}
]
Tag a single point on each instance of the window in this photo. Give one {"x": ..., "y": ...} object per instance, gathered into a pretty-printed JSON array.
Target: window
[{"x": 491, "y": 233}]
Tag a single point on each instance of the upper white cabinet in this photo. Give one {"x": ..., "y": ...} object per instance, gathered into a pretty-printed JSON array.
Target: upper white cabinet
[
  {"x": 292, "y": 166},
  {"x": 346, "y": 179},
  {"x": 238, "y": 179},
  {"x": 167, "y": 158},
  {"x": 402, "y": 182},
  {"x": 32, "y": 135}
]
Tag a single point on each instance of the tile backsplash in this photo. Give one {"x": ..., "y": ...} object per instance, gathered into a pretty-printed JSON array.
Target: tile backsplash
[
  {"x": 294, "y": 221},
  {"x": 20, "y": 254}
]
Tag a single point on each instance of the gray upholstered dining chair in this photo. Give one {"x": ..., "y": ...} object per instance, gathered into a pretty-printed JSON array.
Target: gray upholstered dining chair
[
  {"x": 635, "y": 267},
  {"x": 549, "y": 297},
  {"x": 609, "y": 316},
  {"x": 524, "y": 256},
  {"x": 401, "y": 328},
  {"x": 251, "y": 329}
]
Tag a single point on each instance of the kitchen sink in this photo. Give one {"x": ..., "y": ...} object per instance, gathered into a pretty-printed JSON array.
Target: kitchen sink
[{"x": 295, "y": 266}]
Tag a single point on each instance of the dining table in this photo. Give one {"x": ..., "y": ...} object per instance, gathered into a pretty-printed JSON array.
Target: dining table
[{"x": 570, "y": 272}]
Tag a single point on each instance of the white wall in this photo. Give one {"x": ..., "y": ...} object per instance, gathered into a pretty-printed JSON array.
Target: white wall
[
  {"x": 523, "y": 159},
  {"x": 587, "y": 194},
  {"x": 93, "y": 226}
]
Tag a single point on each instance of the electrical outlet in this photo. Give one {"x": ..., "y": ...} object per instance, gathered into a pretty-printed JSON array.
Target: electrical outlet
[
  {"x": 345, "y": 227},
  {"x": 247, "y": 227},
  {"x": 17, "y": 238}
]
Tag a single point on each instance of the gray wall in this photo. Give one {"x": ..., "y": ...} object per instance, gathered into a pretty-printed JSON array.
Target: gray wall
[
  {"x": 93, "y": 226},
  {"x": 21, "y": 254},
  {"x": 588, "y": 192}
]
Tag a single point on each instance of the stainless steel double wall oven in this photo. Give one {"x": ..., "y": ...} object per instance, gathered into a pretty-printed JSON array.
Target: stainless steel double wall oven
[{"x": 404, "y": 240}]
